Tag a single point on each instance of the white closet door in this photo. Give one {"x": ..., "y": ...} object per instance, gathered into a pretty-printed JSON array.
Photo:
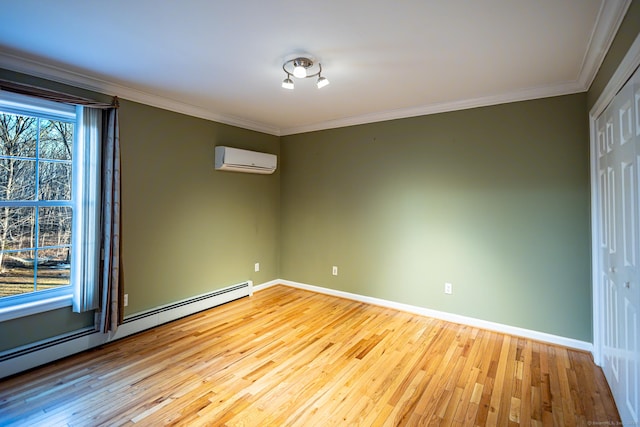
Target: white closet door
[
  {"x": 608, "y": 201},
  {"x": 631, "y": 273},
  {"x": 618, "y": 139}
]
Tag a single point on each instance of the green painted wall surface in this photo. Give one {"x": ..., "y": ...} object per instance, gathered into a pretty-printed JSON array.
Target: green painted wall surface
[
  {"x": 627, "y": 33},
  {"x": 42, "y": 326},
  {"x": 494, "y": 200},
  {"x": 187, "y": 228}
]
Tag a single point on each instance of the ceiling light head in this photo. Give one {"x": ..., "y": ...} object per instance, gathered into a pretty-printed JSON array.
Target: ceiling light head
[
  {"x": 322, "y": 82},
  {"x": 287, "y": 83},
  {"x": 301, "y": 68},
  {"x": 300, "y": 72}
]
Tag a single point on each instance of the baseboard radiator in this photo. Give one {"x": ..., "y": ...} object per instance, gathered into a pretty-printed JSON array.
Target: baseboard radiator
[{"x": 30, "y": 356}]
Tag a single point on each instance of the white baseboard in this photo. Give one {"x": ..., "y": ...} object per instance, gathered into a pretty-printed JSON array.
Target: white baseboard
[
  {"x": 162, "y": 314},
  {"x": 449, "y": 317},
  {"x": 270, "y": 283},
  {"x": 36, "y": 354},
  {"x": 63, "y": 346},
  {"x": 27, "y": 357}
]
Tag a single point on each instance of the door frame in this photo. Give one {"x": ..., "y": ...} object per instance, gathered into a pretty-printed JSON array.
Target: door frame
[{"x": 625, "y": 70}]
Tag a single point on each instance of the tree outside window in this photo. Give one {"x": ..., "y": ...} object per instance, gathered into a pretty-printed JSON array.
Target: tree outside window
[{"x": 35, "y": 203}]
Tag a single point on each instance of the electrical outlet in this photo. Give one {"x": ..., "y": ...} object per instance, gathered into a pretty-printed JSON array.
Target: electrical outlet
[
  {"x": 448, "y": 288},
  {"x": 126, "y": 300},
  {"x": 334, "y": 270},
  {"x": 256, "y": 267}
]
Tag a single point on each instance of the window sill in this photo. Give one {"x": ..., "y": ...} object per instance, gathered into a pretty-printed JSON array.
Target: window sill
[{"x": 34, "y": 304}]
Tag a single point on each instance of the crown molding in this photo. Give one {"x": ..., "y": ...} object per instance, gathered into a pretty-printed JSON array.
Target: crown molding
[
  {"x": 609, "y": 19},
  {"x": 625, "y": 70},
  {"x": 444, "y": 107},
  {"x": 60, "y": 75},
  {"x": 50, "y": 72}
]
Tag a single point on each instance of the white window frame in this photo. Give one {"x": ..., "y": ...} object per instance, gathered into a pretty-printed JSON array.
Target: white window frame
[{"x": 85, "y": 206}]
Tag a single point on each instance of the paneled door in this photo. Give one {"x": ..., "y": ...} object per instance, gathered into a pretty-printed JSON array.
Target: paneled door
[{"x": 618, "y": 155}]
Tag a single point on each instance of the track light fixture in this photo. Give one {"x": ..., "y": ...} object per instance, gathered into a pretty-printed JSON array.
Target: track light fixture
[{"x": 302, "y": 68}]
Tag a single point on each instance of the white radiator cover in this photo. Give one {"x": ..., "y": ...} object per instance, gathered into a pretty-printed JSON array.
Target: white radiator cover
[{"x": 27, "y": 357}]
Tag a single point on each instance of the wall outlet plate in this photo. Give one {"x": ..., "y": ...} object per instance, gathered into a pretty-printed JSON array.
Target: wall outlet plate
[
  {"x": 334, "y": 270},
  {"x": 448, "y": 288},
  {"x": 256, "y": 267}
]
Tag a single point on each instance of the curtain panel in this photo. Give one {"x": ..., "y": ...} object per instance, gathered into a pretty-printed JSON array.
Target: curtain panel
[{"x": 111, "y": 312}]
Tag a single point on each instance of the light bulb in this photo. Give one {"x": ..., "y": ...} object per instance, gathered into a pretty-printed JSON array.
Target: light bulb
[
  {"x": 300, "y": 72},
  {"x": 322, "y": 82}
]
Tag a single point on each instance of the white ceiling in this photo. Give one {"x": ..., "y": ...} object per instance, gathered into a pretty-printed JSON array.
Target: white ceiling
[{"x": 222, "y": 60}]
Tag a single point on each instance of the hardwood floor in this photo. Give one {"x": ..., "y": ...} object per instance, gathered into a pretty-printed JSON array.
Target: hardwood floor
[{"x": 288, "y": 357}]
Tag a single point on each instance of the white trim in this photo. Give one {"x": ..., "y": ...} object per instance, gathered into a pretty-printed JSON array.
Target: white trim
[
  {"x": 49, "y": 72},
  {"x": 35, "y": 302},
  {"x": 268, "y": 284},
  {"x": 166, "y": 313},
  {"x": 567, "y": 88},
  {"x": 449, "y": 317},
  {"x": 60, "y": 75},
  {"x": 609, "y": 19},
  {"x": 50, "y": 353},
  {"x": 625, "y": 70},
  {"x": 17, "y": 103},
  {"x": 596, "y": 318}
]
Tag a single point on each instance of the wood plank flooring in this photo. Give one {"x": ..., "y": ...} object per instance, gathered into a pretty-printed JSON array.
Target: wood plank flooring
[{"x": 288, "y": 357}]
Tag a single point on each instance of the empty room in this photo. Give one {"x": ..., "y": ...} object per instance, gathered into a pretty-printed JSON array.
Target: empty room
[{"x": 365, "y": 213}]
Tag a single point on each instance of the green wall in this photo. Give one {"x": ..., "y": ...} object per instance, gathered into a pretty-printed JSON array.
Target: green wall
[
  {"x": 494, "y": 200},
  {"x": 187, "y": 229}
]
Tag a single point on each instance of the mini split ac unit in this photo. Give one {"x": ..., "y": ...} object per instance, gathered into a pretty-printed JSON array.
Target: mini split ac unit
[{"x": 238, "y": 160}]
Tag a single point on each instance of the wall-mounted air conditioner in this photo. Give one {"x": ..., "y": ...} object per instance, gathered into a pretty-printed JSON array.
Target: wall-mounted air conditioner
[{"x": 238, "y": 160}]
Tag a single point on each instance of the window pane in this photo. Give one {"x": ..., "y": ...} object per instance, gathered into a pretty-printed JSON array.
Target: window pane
[
  {"x": 17, "y": 228},
  {"x": 17, "y": 179},
  {"x": 18, "y": 135},
  {"x": 36, "y": 157},
  {"x": 55, "y": 181},
  {"x": 17, "y": 274},
  {"x": 56, "y": 140},
  {"x": 55, "y": 226},
  {"x": 54, "y": 268}
]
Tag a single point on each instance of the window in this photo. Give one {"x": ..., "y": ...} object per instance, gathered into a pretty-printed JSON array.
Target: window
[{"x": 44, "y": 173}]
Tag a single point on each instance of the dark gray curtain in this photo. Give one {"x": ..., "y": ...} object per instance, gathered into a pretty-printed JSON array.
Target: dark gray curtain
[{"x": 111, "y": 311}]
